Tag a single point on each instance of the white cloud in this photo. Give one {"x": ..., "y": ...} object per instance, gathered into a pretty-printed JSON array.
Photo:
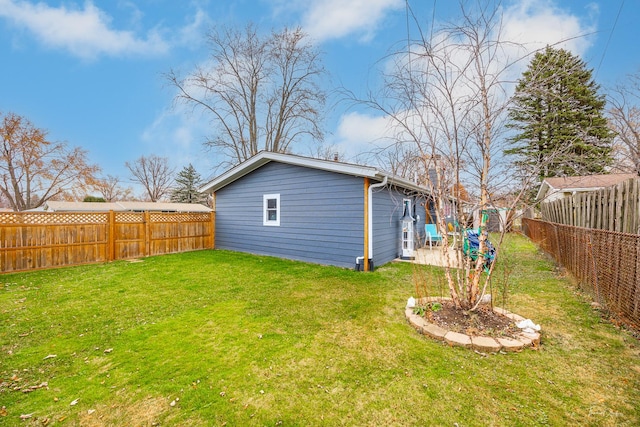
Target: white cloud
[
  {"x": 179, "y": 134},
  {"x": 531, "y": 24},
  {"x": 330, "y": 19},
  {"x": 191, "y": 34},
  {"x": 538, "y": 23},
  {"x": 358, "y": 133},
  {"x": 86, "y": 32}
]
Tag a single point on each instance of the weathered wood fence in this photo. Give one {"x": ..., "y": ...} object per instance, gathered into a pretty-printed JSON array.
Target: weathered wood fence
[
  {"x": 605, "y": 263},
  {"x": 615, "y": 208},
  {"x": 36, "y": 240}
]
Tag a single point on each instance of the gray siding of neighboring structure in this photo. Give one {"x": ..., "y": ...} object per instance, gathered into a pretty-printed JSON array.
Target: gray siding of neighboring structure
[
  {"x": 321, "y": 215},
  {"x": 420, "y": 211}
]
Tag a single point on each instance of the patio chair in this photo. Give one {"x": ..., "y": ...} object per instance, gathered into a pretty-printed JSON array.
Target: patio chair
[{"x": 431, "y": 235}]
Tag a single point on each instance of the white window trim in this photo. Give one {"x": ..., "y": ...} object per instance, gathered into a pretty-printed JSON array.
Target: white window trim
[{"x": 265, "y": 214}]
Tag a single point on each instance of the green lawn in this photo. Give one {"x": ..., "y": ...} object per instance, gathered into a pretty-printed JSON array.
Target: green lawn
[{"x": 222, "y": 338}]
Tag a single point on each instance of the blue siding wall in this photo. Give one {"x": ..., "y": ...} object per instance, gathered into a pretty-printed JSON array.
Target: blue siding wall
[
  {"x": 387, "y": 211},
  {"x": 321, "y": 215},
  {"x": 387, "y": 225}
]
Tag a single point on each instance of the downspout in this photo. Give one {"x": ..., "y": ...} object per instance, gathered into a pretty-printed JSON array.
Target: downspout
[{"x": 370, "y": 221}]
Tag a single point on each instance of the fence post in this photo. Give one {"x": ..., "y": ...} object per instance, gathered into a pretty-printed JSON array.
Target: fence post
[
  {"x": 179, "y": 234},
  {"x": 111, "y": 240},
  {"x": 619, "y": 219},
  {"x": 146, "y": 220},
  {"x": 212, "y": 219},
  {"x": 636, "y": 201}
]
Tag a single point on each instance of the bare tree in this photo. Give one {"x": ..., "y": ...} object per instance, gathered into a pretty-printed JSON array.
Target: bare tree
[
  {"x": 34, "y": 169},
  {"x": 327, "y": 152},
  {"x": 154, "y": 174},
  {"x": 624, "y": 121},
  {"x": 111, "y": 189},
  {"x": 261, "y": 92},
  {"x": 446, "y": 98}
]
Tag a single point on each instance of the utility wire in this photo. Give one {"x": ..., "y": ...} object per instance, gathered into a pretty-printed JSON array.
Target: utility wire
[
  {"x": 433, "y": 20},
  {"x": 406, "y": 3},
  {"x": 609, "y": 39}
]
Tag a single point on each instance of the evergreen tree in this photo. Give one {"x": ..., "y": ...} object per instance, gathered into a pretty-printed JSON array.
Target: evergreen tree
[
  {"x": 559, "y": 118},
  {"x": 186, "y": 191},
  {"x": 94, "y": 199}
]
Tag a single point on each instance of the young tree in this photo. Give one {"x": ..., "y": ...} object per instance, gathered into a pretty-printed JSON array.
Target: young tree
[
  {"x": 447, "y": 99},
  {"x": 34, "y": 169},
  {"x": 557, "y": 114},
  {"x": 94, "y": 199},
  {"x": 154, "y": 174},
  {"x": 261, "y": 92},
  {"x": 624, "y": 121},
  {"x": 186, "y": 190}
]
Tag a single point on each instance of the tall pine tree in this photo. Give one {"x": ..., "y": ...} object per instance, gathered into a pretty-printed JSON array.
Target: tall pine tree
[
  {"x": 187, "y": 183},
  {"x": 558, "y": 117}
]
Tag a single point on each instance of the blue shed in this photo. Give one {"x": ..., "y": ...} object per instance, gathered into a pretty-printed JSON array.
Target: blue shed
[{"x": 313, "y": 210}]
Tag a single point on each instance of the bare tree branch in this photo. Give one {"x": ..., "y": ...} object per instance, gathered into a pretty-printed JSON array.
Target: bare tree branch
[
  {"x": 111, "y": 190},
  {"x": 261, "y": 92},
  {"x": 154, "y": 174},
  {"x": 624, "y": 121},
  {"x": 446, "y": 99},
  {"x": 34, "y": 170}
]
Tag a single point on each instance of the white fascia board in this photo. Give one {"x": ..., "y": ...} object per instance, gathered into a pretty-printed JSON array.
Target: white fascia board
[
  {"x": 571, "y": 190},
  {"x": 544, "y": 189},
  {"x": 265, "y": 157},
  {"x": 404, "y": 183},
  {"x": 232, "y": 174},
  {"x": 327, "y": 165},
  {"x": 582, "y": 189}
]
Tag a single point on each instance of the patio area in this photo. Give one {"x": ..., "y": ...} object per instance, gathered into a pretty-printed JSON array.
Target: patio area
[{"x": 435, "y": 256}]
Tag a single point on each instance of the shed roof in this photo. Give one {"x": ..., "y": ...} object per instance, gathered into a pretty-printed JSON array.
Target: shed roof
[
  {"x": 264, "y": 157},
  {"x": 60, "y": 206},
  {"x": 164, "y": 207},
  {"x": 582, "y": 183}
]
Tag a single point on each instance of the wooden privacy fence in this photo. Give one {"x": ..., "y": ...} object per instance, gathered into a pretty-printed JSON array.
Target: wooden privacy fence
[
  {"x": 606, "y": 264},
  {"x": 35, "y": 240},
  {"x": 615, "y": 208}
]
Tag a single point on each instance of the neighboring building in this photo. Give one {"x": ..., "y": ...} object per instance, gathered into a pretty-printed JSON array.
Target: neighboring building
[
  {"x": 312, "y": 210},
  {"x": 558, "y": 187},
  {"x": 57, "y": 206}
]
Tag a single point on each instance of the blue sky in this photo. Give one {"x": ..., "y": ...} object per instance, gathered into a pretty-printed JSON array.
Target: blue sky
[{"x": 90, "y": 72}]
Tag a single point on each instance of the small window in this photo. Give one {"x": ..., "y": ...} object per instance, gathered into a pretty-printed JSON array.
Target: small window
[{"x": 271, "y": 208}]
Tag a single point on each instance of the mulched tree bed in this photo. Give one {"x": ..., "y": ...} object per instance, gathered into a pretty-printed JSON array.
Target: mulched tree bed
[{"x": 481, "y": 322}]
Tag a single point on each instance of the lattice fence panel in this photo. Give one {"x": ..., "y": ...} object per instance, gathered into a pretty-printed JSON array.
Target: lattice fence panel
[
  {"x": 129, "y": 217},
  {"x": 53, "y": 218},
  {"x": 35, "y": 240},
  {"x": 178, "y": 217}
]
